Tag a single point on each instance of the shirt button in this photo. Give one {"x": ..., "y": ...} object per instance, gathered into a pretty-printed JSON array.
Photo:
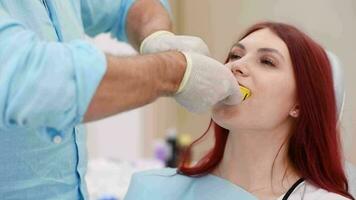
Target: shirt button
[{"x": 57, "y": 139}]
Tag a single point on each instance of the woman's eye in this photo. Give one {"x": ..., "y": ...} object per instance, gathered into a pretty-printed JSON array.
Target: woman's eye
[
  {"x": 267, "y": 62},
  {"x": 234, "y": 57}
]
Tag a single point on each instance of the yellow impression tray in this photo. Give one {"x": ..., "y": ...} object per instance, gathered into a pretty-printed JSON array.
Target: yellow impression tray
[{"x": 245, "y": 92}]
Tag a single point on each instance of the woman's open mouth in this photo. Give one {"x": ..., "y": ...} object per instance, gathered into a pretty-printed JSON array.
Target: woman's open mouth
[{"x": 246, "y": 93}]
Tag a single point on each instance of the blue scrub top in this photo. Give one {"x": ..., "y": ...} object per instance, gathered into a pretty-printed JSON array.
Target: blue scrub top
[
  {"x": 166, "y": 184},
  {"x": 48, "y": 75}
]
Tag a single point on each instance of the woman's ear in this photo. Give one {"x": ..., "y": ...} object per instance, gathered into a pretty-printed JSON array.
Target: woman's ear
[{"x": 294, "y": 112}]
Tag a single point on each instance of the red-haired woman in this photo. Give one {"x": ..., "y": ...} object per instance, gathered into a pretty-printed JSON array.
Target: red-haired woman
[{"x": 280, "y": 143}]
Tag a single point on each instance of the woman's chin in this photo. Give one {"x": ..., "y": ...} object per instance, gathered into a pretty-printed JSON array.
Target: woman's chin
[
  {"x": 223, "y": 111},
  {"x": 228, "y": 116},
  {"x": 220, "y": 122},
  {"x": 223, "y": 120}
]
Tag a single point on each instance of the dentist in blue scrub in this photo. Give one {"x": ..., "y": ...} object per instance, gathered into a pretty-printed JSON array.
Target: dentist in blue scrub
[{"x": 52, "y": 80}]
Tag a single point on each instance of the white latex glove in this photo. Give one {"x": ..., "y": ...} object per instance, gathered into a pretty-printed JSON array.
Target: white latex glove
[
  {"x": 205, "y": 83},
  {"x": 164, "y": 41}
]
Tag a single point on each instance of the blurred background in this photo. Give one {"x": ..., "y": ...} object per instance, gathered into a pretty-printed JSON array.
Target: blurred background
[{"x": 153, "y": 136}]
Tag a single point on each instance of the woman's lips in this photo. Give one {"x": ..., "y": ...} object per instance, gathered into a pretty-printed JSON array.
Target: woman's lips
[
  {"x": 245, "y": 91},
  {"x": 241, "y": 84}
]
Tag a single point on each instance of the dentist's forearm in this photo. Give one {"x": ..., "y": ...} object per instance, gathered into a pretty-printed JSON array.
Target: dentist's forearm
[
  {"x": 144, "y": 18},
  {"x": 135, "y": 81}
]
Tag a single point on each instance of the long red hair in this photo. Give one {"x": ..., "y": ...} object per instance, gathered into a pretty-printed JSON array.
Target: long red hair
[{"x": 314, "y": 145}]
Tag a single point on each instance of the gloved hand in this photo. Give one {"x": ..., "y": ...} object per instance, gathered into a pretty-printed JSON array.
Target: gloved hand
[
  {"x": 205, "y": 83},
  {"x": 165, "y": 41}
]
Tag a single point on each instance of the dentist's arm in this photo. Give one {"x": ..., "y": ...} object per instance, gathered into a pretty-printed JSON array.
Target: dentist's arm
[
  {"x": 135, "y": 81},
  {"x": 144, "y": 18},
  {"x": 52, "y": 84},
  {"x": 196, "y": 81},
  {"x": 148, "y": 29}
]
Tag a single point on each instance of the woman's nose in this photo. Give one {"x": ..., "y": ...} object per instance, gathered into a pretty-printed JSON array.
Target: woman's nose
[{"x": 239, "y": 69}]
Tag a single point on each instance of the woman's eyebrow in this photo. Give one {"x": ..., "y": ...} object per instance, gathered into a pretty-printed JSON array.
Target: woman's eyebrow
[
  {"x": 260, "y": 50},
  {"x": 240, "y": 46},
  {"x": 270, "y": 50}
]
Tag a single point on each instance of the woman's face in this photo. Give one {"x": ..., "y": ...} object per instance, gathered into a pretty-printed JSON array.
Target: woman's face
[{"x": 260, "y": 62}]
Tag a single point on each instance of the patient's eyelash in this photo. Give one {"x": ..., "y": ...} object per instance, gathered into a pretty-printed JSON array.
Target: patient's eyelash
[
  {"x": 268, "y": 61},
  {"x": 234, "y": 56}
]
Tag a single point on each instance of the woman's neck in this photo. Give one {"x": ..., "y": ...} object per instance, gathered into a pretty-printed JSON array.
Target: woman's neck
[{"x": 258, "y": 162}]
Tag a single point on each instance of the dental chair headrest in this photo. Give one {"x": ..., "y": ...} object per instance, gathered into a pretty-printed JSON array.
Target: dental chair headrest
[
  {"x": 338, "y": 80},
  {"x": 339, "y": 88},
  {"x": 351, "y": 176}
]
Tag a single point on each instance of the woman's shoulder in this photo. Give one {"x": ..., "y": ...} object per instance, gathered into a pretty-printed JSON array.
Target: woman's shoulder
[
  {"x": 160, "y": 176},
  {"x": 157, "y": 172},
  {"x": 311, "y": 192},
  {"x": 156, "y": 184},
  {"x": 167, "y": 183},
  {"x": 334, "y": 196},
  {"x": 331, "y": 195}
]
